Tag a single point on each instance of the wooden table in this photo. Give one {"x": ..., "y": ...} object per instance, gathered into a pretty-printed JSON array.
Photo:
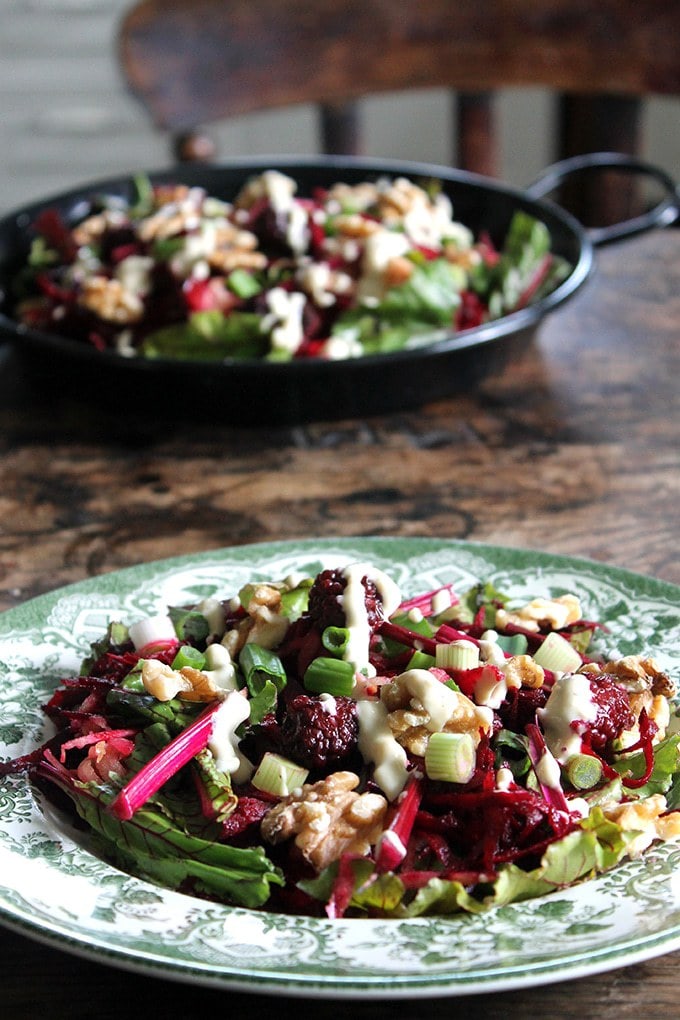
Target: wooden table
[{"x": 573, "y": 449}]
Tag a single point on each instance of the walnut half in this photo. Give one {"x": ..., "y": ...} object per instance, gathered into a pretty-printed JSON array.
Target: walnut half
[{"x": 327, "y": 819}]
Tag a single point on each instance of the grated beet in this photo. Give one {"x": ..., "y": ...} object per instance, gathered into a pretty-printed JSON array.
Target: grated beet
[
  {"x": 245, "y": 819},
  {"x": 318, "y": 738}
]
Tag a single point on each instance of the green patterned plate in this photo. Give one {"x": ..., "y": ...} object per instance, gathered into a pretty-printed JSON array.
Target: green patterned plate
[{"x": 52, "y": 888}]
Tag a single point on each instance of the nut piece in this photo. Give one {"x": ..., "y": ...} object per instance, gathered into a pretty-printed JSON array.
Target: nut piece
[
  {"x": 648, "y": 818},
  {"x": 522, "y": 671},
  {"x": 264, "y": 625},
  {"x": 554, "y": 613},
  {"x": 418, "y": 705},
  {"x": 188, "y": 683},
  {"x": 92, "y": 228},
  {"x": 328, "y": 819},
  {"x": 110, "y": 300},
  {"x": 637, "y": 673}
]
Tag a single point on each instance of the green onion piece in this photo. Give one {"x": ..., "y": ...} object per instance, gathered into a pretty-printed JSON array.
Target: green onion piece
[
  {"x": 420, "y": 660},
  {"x": 243, "y": 284},
  {"x": 278, "y": 776},
  {"x": 329, "y": 676},
  {"x": 335, "y": 640},
  {"x": 188, "y": 656},
  {"x": 457, "y": 655},
  {"x": 451, "y": 757},
  {"x": 557, "y": 655},
  {"x": 411, "y": 622},
  {"x": 584, "y": 771},
  {"x": 294, "y": 602},
  {"x": 513, "y": 644}
]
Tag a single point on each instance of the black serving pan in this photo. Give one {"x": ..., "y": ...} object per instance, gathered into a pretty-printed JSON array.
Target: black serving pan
[{"x": 262, "y": 393}]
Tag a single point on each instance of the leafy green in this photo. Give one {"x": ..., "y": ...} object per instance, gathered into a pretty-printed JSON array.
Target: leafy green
[
  {"x": 665, "y": 776},
  {"x": 265, "y": 678},
  {"x": 426, "y": 302},
  {"x": 595, "y": 846},
  {"x": 526, "y": 269},
  {"x": 114, "y": 639},
  {"x": 208, "y": 336},
  {"x": 142, "y": 709},
  {"x": 189, "y": 624},
  {"x": 151, "y": 846}
]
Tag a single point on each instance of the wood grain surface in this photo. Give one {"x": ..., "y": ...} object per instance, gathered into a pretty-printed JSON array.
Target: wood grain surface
[{"x": 573, "y": 449}]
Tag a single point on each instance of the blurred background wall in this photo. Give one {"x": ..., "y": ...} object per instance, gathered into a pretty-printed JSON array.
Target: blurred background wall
[{"x": 65, "y": 116}]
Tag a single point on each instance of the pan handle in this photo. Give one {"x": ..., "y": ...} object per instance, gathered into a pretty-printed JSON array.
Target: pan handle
[{"x": 664, "y": 213}]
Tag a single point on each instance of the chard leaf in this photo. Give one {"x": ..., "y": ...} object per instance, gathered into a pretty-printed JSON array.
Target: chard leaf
[
  {"x": 216, "y": 785},
  {"x": 151, "y": 845}
]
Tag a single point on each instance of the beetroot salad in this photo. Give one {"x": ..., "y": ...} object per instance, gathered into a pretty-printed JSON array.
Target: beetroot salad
[
  {"x": 322, "y": 746},
  {"x": 350, "y": 270}
]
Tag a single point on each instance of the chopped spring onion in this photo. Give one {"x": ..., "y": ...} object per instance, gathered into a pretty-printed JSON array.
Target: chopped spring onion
[
  {"x": 243, "y": 284},
  {"x": 457, "y": 655},
  {"x": 450, "y": 757},
  {"x": 420, "y": 660},
  {"x": 513, "y": 644},
  {"x": 335, "y": 640},
  {"x": 152, "y": 630},
  {"x": 329, "y": 676},
  {"x": 278, "y": 776},
  {"x": 188, "y": 656},
  {"x": 557, "y": 654},
  {"x": 584, "y": 771}
]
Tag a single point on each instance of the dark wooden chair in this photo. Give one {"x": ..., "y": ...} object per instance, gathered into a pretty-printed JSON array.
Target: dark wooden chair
[{"x": 196, "y": 62}]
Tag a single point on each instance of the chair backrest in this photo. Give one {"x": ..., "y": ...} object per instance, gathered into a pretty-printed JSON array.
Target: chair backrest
[{"x": 195, "y": 62}]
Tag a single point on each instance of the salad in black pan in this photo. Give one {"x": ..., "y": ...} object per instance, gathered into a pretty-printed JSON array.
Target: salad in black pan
[{"x": 345, "y": 271}]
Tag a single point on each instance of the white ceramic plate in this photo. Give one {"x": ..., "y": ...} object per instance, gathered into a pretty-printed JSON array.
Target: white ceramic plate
[{"x": 53, "y": 889}]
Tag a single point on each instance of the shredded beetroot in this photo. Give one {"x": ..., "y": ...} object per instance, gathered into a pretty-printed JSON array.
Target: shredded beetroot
[
  {"x": 424, "y": 602},
  {"x": 392, "y": 845},
  {"x": 121, "y": 740}
]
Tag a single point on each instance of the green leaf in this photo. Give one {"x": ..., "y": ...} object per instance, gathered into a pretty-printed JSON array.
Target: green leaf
[
  {"x": 152, "y": 846},
  {"x": 265, "y": 678},
  {"x": 189, "y": 624},
  {"x": 208, "y": 336},
  {"x": 664, "y": 777}
]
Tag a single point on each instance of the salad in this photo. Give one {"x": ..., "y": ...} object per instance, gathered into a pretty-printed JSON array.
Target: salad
[
  {"x": 323, "y": 746},
  {"x": 348, "y": 271}
]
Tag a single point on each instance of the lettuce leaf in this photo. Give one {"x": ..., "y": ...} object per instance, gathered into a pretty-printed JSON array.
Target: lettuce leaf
[{"x": 595, "y": 846}]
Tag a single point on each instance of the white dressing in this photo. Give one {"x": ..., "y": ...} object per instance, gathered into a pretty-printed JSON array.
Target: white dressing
[
  {"x": 378, "y": 745},
  {"x": 353, "y": 600},
  {"x": 570, "y": 701},
  {"x": 223, "y": 742}
]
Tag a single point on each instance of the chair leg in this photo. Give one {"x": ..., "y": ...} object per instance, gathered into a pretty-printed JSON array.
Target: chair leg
[
  {"x": 340, "y": 129},
  {"x": 476, "y": 134},
  {"x": 599, "y": 124}
]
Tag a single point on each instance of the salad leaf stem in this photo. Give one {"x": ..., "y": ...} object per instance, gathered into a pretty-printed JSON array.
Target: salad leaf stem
[{"x": 169, "y": 760}]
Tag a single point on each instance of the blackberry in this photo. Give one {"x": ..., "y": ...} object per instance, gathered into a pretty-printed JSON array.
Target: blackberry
[
  {"x": 325, "y": 602},
  {"x": 613, "y": 712},
  {"x": 318, "y": 734}
]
